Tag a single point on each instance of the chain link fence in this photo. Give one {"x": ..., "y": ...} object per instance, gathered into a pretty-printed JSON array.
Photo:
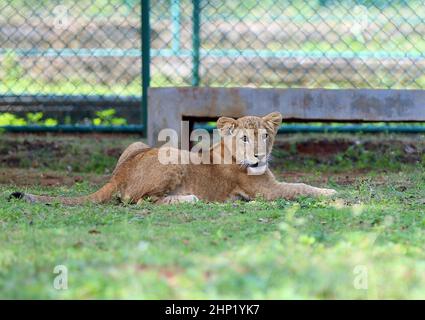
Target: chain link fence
[
  {"x": 91, "y": 49},
  {"x": 75, "y": 61},
  {"x": 86, "y": 47},
  {"x": 275, "y": 43}
]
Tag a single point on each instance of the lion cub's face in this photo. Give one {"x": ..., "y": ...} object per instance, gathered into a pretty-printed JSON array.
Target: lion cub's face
[{"x": 250, "y": 139}]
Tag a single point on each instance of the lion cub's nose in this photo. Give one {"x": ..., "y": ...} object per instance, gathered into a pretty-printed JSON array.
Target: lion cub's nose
[{"x": 259, "y": 156}]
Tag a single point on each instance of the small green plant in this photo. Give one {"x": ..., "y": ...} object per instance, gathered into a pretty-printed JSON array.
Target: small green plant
[
  {"x": 107, "y": 118},
  {"x": 9, "y": 119},
  {"x": 36, "y": 118}
]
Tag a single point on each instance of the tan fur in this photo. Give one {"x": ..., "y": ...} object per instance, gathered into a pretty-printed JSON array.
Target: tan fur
[{"x": 140, "y": 175}]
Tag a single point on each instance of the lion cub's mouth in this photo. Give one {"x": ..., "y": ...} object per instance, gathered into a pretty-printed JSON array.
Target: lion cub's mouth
[{"x": 257, "y": 169}]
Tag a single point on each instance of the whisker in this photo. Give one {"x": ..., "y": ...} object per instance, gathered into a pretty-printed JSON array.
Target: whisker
[{"x": 269, "y": 158}]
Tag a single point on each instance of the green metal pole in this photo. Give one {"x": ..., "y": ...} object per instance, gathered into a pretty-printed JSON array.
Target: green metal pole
[
  {"x": 402, "y": 129},
  {"x": 146, "y": 57},
  {"x": 64, "y": 128},
  {"x": 175, "y": 26},
  {"x": 196, "y": 42}
]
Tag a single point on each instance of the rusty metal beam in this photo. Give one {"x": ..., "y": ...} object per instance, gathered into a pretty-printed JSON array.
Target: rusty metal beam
[{"x": 168, "y": 106}]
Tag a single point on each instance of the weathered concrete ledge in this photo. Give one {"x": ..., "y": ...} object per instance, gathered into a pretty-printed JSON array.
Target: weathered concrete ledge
[{"x": 168, "y": 106}]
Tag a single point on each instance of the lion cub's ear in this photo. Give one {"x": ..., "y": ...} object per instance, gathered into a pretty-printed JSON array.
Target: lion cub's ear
[
  {"x": 226, "y": 125},
  {"x": 273, "y": 119}
]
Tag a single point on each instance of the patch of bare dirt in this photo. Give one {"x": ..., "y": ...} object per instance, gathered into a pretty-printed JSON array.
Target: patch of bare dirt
[
  {"x": 12, "y": 152},
  {"x": 114, "y": 152},
  {"x": 316, "y": 147},
  {"x": 25, "y": 177},
  {"x": 323, "y": 147},
  {"x": 409, "y": 152}
]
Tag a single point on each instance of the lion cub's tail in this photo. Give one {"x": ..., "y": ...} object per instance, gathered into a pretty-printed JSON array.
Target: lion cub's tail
[{"x": 103, "y": 195}]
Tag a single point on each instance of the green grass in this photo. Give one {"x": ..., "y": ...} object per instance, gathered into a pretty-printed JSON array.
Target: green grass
[{"x": 308, "y": 248}]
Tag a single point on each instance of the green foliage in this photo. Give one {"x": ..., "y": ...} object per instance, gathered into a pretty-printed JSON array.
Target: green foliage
[
  {"x": 37, "y": 119},
  {"x": 9, "y": 119},
  {"x": 107, "y": 117},
  {"x": 34, "y": 118},
  {"x": 50, "y": 122}
]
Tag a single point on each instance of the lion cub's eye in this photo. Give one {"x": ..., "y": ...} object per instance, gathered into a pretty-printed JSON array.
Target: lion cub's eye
[{"x": 244, "y": 139}]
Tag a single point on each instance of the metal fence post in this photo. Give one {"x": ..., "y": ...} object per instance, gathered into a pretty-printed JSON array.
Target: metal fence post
[
  {"x": 175, "y": 26},
  {"x": 145, "y": 23},
  {"x": 196, "y": 42}
]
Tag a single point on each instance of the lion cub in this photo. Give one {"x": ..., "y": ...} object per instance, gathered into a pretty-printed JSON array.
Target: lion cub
[{"x": 240, "y": 172}]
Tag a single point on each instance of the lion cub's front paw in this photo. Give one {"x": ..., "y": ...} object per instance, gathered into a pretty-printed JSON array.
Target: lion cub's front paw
[
  {"x": 179, "y": 199},
  {"x": 328, "y": 192}
]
